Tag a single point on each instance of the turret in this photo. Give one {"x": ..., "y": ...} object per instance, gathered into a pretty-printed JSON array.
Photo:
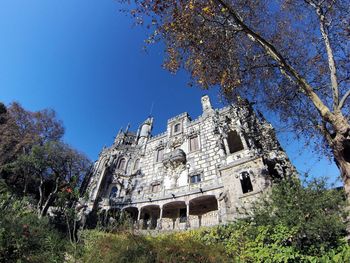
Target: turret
[
  {"x": 206, "y": 104},
  {"x": 145, "y": 130}
]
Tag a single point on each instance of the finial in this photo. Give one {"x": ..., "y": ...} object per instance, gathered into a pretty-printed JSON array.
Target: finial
[
  {"x": 151, "y": 111},
  {"x": 120, "y": 131},
  {"x": 127, "y": 128}
]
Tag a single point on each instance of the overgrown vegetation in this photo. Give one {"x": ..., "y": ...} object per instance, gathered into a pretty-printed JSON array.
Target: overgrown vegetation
[
  {"x": 24, "y": 237},
  {"x": 40, "y": 187},
  {"x": 292, "y": 223}
]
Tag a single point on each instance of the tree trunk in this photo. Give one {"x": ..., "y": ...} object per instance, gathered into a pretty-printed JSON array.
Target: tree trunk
[
  {"x": 41, "y": 197},
  {"x": 341, "y": 149},
  {"x": 49, "y": 200}
]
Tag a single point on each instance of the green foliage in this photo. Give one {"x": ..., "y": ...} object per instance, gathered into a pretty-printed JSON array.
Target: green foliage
[
  {"x": 126, "y": 247},
  {"x": 246, "y": 242},
  {"x": 313, "y": 211},
  {"x": 23, "y": 237}
]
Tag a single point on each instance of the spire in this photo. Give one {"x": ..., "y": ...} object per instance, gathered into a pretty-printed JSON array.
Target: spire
[
  {"x": 120, "y": 131},
  {"x": 127, "y": 128}
]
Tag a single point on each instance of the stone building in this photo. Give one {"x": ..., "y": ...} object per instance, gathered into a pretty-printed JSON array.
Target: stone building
[{"x": 197, "y": 173}]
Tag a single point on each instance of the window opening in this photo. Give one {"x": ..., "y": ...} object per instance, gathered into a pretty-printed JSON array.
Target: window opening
[
  {"x": 155, "y": 188},
  {"x": 246, "y": 183},
  {"x": 137, "y": 164},
  {"x": 194, "y": 144},
  {"x": 234, "y": 142},
  {"x": 177, "y": 128},
  {"x": 114, "y": 192},
  {"x": 121, "y": 164},
  {"x": 160, "y": 154},
  {"x": 195, "y": 179}
]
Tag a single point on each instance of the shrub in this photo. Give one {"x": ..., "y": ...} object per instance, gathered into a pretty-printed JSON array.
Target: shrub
[{"x": 25, "y": 238}]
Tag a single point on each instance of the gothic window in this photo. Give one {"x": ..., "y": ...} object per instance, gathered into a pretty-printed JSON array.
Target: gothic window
[
  {"x": 194, "y": 146},
  {"x": 195, "y": 178},
  {"x": 234, "y": 142},
  {"x": 114, "y": 192},
  {"x": 137, "y": 164},
  {"x": 121, "y": 164},
  {"x": 177, "y": 127},
  {"x": 160, "y": 154},
  {"x": 156, "y": 188},
  {"x": 246, "y": 183}
]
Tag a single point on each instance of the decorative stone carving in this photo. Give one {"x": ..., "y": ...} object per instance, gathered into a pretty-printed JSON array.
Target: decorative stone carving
[
  {"x": 176, "y": 142},
  {"x": 174, "y": 158}
]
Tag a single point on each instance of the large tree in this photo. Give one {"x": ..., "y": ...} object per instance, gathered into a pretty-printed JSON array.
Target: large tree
[
  {"x": 291, "y": 57},
  {"x": 33, "y": 159},
  {"x": 21, "y": 129}
]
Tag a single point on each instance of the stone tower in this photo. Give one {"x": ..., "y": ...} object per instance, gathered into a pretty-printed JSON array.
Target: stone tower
[{"x": 197, "y": 173}]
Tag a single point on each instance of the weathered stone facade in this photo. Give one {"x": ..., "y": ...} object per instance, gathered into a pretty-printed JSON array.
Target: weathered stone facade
[{"x": 197, "y": 173}]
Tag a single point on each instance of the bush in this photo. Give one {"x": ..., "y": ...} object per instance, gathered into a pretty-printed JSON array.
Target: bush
[
  {"x": 25, "y": 238},
  {"x": 313, "y": 211}
]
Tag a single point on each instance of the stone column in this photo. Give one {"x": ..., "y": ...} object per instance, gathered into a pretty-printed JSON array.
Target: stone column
[
  {"x": 188, "y": 215},
  {"x": 219, "y": 211},
  {"x": 139, "y": 223},
  {"x": 160, "y": 218},
  {"x": 199, "y": 220}
]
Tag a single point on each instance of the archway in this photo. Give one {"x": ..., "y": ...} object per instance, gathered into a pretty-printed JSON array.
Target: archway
[
  {"x": 132, "y": 213},
  {"x": 204, "y": 211},
  {"x": 174, "y": 215},
  {"x": 149, "y": 216}
]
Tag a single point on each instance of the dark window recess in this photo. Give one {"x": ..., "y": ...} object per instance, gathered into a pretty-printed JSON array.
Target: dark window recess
[
  {"x": 195, "y": 179},
  {"x": 177, "y": 128},
  {"x": 114, "y": 192},
  {"x": 183, "y": 215},
  {"x": 234, "y": 142},
  {"x": 246, "y": 183},
  {"x": 147, "y": 216}
]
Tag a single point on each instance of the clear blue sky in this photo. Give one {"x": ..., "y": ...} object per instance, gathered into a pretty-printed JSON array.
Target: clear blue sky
[{"x": 84, "y": 59}]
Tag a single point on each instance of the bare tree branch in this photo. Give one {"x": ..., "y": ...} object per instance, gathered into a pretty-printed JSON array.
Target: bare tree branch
[
  {"x": 274, "y": 54},
  {"x": 342, "y": 101},
  {"x": 331, "y": 62}
]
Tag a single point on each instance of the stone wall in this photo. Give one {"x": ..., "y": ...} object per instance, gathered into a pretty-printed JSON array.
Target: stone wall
[{"x": 202, "y": 171}]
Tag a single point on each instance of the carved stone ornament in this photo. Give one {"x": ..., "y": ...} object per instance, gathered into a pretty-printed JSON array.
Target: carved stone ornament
[
  {"x": 174, "y": 158},
  {"x": 177, "y": 141},
  {"x": 175, "y": 163},
  {"x": 192, "y": 133}
]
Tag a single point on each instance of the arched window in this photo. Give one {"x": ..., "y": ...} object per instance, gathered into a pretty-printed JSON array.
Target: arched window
[
  {"x": 114, "y": 192},
  {"x": 177, "y": 127},
  {"x": 234, "y": 142},
  {"x": 137, "y": 164},
  {"x": 246, "y": 183},
  {"x": 121, "y": 164}
]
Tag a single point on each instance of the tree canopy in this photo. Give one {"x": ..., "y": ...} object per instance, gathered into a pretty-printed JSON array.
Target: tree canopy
[
  {"x": 291, "y": 57},
  {"x": 34, "y": 161}
]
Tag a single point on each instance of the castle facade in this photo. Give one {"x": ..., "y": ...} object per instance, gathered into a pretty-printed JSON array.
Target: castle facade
[{"x": 198, "y": 172}]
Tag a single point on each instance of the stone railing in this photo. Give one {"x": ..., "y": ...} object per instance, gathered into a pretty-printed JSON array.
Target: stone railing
[{"x": 164, "y": 193}]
